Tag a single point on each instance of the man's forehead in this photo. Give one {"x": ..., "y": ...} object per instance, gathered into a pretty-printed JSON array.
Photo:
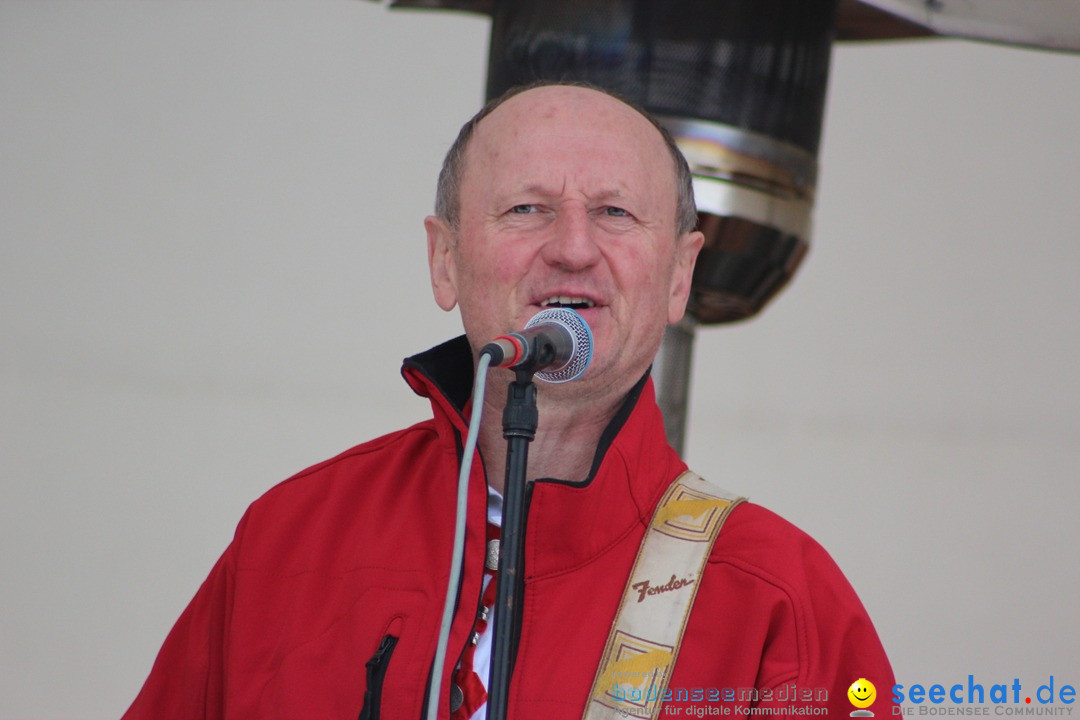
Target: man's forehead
[
  {"x": 567, "y": 109},
  {"x": 565, "y": 119}
]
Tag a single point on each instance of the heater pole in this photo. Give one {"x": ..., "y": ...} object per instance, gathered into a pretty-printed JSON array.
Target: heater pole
[{"x": 671, "y": 375}]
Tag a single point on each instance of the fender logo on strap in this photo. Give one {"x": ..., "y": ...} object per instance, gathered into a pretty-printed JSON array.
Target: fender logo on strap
[{"x": 646, "y": 588}]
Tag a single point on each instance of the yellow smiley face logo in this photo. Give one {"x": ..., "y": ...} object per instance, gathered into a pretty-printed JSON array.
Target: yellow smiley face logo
[{"x": 862, "y": 693}]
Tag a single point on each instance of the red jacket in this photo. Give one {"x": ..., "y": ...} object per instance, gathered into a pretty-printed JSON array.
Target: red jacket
[{"x": 331, "y": 593}]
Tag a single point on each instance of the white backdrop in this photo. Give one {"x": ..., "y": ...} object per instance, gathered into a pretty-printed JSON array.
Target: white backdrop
[{"x": 212, "y": 262}]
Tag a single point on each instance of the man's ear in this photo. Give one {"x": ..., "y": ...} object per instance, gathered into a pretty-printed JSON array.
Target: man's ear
[
  {"x": 682, "y": 275},
  {"x": 440, "y": 244}
]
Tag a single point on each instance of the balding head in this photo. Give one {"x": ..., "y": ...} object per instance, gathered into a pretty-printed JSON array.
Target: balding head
[{"x": 447, "y": 195}]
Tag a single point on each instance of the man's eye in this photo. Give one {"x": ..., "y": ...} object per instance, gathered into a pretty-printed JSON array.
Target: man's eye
[
  {"x": 616, "y": 212},
  {"x": 523, "y": 209}
]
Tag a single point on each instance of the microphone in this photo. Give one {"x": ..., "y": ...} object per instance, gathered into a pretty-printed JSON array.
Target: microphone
[{"x": 555, "y": 338}]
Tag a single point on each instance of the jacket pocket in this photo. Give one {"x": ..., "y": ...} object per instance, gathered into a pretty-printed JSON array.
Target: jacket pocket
[{"x": 376, "y": 671}]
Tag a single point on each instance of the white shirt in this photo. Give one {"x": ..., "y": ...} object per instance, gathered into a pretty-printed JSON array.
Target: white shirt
[{"x": 482, "y": 655}]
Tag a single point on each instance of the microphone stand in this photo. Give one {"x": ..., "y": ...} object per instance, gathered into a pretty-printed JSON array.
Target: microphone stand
[{"x": 519, "y": 428}]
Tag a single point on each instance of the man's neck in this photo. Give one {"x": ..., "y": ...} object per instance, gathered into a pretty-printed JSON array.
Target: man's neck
[{"x": 567, "y": 435}]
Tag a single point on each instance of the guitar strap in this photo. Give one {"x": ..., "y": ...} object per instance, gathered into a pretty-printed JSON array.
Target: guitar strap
[{"x": 645, "y": 637}]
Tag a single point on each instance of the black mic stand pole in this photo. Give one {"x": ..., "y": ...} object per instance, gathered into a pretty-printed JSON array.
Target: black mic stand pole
[{"x": 519, "y": 428}]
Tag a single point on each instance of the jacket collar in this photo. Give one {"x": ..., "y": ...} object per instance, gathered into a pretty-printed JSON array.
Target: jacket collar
[{"x": 568, "y": 522}]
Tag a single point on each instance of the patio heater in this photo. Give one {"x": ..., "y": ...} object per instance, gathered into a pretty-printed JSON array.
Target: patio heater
[{"x": 741, "y": 86}]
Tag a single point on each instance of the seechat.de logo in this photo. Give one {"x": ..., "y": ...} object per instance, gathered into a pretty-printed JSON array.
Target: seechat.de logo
[{"x": 862, "y": 694}]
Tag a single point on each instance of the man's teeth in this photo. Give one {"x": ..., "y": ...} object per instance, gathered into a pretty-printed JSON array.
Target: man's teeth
[{"x": 568, "y": 301}]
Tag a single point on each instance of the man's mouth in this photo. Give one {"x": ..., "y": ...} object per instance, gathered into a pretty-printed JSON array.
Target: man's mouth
[{"x": 573, "y": 302}]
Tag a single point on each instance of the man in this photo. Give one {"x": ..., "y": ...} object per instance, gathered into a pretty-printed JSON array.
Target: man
[{"x": 327, "y": 604}]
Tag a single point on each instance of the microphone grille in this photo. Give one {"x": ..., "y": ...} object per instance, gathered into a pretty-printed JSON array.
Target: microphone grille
[{"x": 582, "y": 339}]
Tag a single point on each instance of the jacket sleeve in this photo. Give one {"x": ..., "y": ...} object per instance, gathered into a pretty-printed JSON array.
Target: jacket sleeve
[
  {"x": 801, "y": 627},
  {"x": 187, "y": 678},
  {"x": 836, "y": 643}
]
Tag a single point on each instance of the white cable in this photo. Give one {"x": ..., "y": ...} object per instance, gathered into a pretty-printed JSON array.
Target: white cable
[{"x": 435, "y": 684}]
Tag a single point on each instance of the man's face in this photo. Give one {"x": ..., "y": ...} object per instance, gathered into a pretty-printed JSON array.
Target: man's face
[{"x": 567, "y": 198}]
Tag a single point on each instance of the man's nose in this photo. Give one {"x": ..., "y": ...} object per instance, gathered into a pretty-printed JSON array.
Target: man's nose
[{"x": 573, "y": 241}]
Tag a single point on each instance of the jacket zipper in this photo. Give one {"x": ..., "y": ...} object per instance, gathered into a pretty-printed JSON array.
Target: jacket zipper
[{"x": 376, "y": 672}]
